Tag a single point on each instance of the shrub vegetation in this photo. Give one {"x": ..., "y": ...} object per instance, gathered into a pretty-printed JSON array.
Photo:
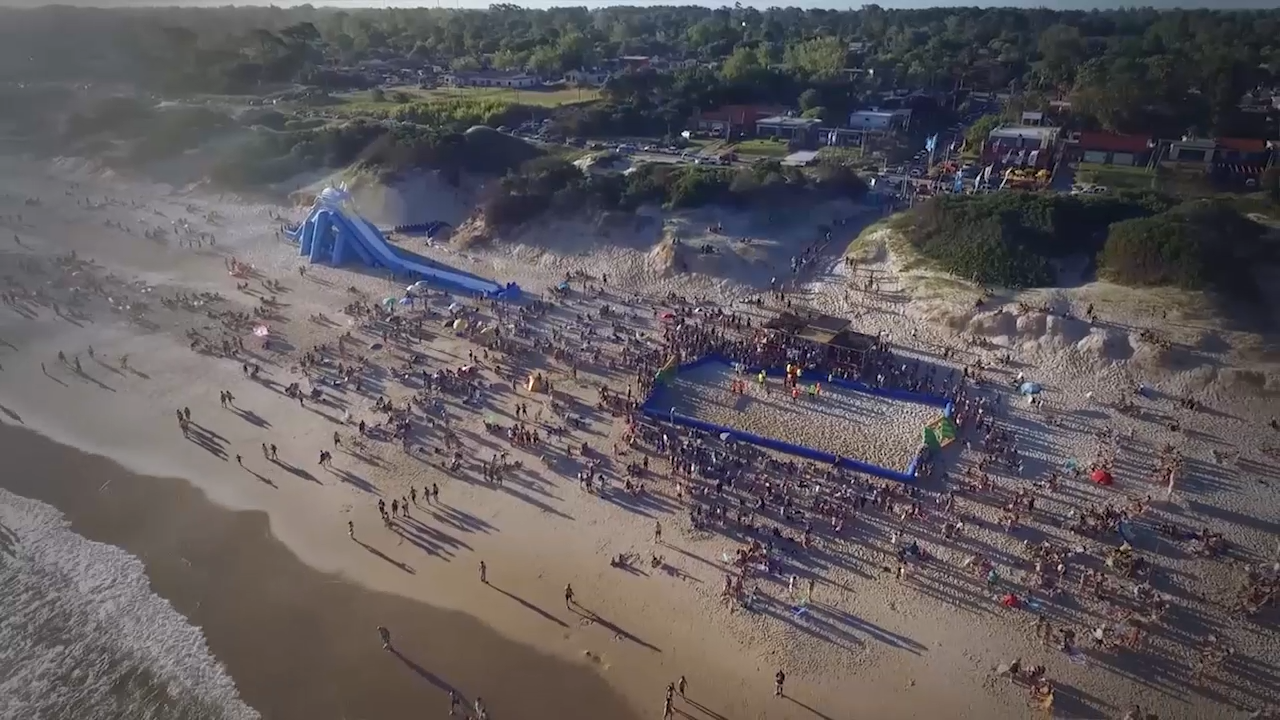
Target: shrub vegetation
[{"x": 1013, "y": 239}]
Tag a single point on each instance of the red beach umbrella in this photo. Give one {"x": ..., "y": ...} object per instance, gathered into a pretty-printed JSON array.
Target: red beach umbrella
[{"x": 1102, "y": 477}]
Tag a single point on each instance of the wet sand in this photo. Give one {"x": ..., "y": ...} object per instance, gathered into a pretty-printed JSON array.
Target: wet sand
[{"x": 300, "y": 643}]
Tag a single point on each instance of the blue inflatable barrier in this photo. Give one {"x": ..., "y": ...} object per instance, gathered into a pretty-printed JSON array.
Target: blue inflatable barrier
[
  {"x": 333, "y": 235},
  {"x": 652, "y": 408}
]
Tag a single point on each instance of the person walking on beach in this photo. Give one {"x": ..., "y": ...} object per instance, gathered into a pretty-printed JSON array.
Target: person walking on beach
[
  {"x": 484, "y": 573},
  {"x": 275, "y": 455},
  {"x": 481, "y": 712},
  {"x": 681, "y": 685},
  {"x": 435, "y": 493},
  {"x": 455, "y": 703},
  {"x": 657, "y": 532},
  {"x": 668, "y": 709},
  {"x": 779, "y": 678},
  {"x": 385, "y": 635},
  {"x": 351, "y": 530},
  {"x": 568, "y": 596}
]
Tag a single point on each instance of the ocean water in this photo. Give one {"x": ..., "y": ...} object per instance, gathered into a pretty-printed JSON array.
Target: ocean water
[{"x": 83, "y": 637}]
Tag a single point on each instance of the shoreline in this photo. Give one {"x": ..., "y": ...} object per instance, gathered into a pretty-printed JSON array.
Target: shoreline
[{"x": 259, "y": 605}]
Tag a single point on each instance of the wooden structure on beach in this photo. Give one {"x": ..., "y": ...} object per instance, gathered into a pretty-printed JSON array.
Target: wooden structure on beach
[{"x": 845, "y": 346}]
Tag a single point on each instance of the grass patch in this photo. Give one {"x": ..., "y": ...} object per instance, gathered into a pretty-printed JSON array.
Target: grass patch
[
  {"x": 762, "y": 148},
  {"x": 842, "y": 155},
  {"x": 1118, "y": 177},
  {"x": 539, "y": 97}
]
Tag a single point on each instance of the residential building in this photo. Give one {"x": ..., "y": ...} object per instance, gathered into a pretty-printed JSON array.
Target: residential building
[
  {"x": 1021, "y": 146},
  {"x": 491, "y": 78},
  {"x": 1241, "y": 151},
  {"x": 1025, "y": 136},
  {"x": 875, "y": 120},
  {"x": 1033, "y": 118},
  {"x": 802, "y": 131},
  {"x": 1192, "y": 151},
  {"x": 732, "y": 121},
  {"x": 595, "y": 78},
  {"x": 1113, "y": 149}
]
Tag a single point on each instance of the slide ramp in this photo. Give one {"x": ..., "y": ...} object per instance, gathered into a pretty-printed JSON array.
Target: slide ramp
[
  {"x": 332, "y": 233},
  {"x": 385, "y": 256}
]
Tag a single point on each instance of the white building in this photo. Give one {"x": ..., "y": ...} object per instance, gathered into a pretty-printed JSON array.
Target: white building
[
  {"x": 879, "y": 120},
  {"x": 595, "y": 78},
  {"x": 491, "y": 78},
  {"x": 1024, "y": 136}
]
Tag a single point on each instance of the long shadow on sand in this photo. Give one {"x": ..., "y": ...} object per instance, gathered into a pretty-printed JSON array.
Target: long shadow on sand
[
  {"x": 546, "y": 615},
  {"x": 618, "y": 632}
]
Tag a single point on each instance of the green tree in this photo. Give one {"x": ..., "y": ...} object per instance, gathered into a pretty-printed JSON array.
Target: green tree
[
  {"x": 810, "y": 99},
  {"x": 978, "y": 132},
  {"x": 820, "y": 57},
  {"x": 741, "y": 65}
]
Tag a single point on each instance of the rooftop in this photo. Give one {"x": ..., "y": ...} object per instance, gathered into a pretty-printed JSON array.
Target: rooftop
[
  {"x": 1036, "y": 132},
  {"x": 785, "y": 121},
  {"x": 1112, "y": 142}
]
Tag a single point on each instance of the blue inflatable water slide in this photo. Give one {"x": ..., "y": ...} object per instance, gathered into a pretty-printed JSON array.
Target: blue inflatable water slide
[{"x": 335, "y": 234}]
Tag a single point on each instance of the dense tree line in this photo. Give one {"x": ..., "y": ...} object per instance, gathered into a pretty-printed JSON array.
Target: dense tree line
[
  {"x": 1013, "y": 239},
  {"x": 1136, "y": 69},
  {"x": 552, "y": 184}
]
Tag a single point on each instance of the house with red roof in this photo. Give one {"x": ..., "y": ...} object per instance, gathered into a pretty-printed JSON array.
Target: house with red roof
[
  {"x": 1113, "y": 148},
  {"x": 731, "y": 121}
]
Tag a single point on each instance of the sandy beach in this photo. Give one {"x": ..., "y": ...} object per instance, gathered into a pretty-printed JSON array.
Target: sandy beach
[
  {"x": 260, "y": 607},
  {"x": 256, "y": 551}
]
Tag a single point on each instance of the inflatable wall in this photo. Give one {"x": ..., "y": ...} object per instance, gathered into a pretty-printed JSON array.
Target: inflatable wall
[
  {"x": 652, "y": 407},
  {"x": 334, "y": 234}
]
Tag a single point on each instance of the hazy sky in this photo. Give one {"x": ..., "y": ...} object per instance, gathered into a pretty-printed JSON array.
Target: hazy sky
[{"x": 1052, "y": 4}]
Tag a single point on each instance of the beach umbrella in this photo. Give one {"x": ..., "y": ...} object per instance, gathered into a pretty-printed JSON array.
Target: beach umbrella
[
  {"x": 724, "y": 436},
  {"x": 389, "y": 302},
  {"x": 262, "y": 331},
  {"x": 1029, "y": 388},
  {"x": 406, "y": 301},
  {"x": 1101, "y": 477},
  {"x": 459, "y": 324}
]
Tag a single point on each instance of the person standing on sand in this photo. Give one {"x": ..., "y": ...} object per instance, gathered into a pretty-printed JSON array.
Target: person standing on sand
[
  {"x": 455, "y": 703},
  {"x": 274, "y": 452},
  {"x": 568, "y": 596},
  {"x": 484, "y": 573},
  {"x": 681, "y": 685},
  {"x": 385, "y": 635},
  {"x": 779, "y": 679},
  {"x": 657, "y": 532},
  {"x": 668, "y": 710},
  {"x": 351, "y": 530}
]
